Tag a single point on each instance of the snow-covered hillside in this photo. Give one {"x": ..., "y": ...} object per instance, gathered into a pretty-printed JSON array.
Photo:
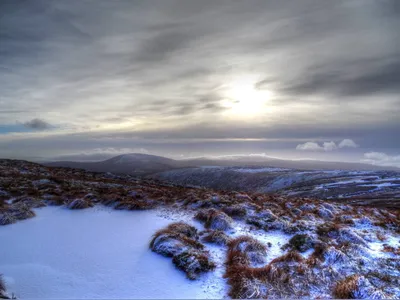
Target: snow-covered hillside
[
  {"x": 74, "y": 234},
  {"x": 379, "y": 187}
]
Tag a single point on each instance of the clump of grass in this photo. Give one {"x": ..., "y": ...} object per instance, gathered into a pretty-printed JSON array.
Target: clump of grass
[
  {"x": 381, "y": 236},
  {"x": 301, "y": 242},
  {"x": 7, "y": 218},
  {"x": 246, "y": 249},
  {"x": 193, "y": 263},
  {"x": 168, "y": 242},
  {"x": 353, "y": 287},
  {"x": 244, "y": 285},
  {"x": 179, "y": 241},
  {"x": 390, "y": 249},
  {"x": 2, "y": 285},
  {"x": 328, "y": 229},
  {"x": 80, "y": 204},
  {"x": 140, "y": 204},
  {"x": 215, "y": 237},
  {"x": 185, "y": 229},
  {"x": 21, "y": 211},
  {"x": 235, "y": 211},
  {"x": 291, "y": 256},
  {"x": 214, "y": 219}
]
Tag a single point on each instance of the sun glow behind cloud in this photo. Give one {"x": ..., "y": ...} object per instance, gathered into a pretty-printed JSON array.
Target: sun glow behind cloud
[{"x": 244, "y": 100}]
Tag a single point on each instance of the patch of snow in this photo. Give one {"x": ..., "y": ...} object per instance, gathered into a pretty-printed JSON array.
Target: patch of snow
[
  {"x": 259, "y": 170},
  {"x": 94, "y": 253},
  {"x": 381, "y": 185}
]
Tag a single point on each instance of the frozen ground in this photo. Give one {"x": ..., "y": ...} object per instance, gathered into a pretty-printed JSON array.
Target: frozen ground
[{"x": 94, "y": 253}]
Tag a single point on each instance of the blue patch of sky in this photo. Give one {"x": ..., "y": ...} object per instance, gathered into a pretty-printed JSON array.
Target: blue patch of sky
[{"x": 4, "y": 129}]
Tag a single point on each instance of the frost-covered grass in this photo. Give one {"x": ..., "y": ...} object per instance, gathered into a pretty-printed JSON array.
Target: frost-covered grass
[{"x": 229, "y": 243}]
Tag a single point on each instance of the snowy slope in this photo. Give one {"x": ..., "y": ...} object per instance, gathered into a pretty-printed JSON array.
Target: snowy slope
[{"x": 93, "y": 253}]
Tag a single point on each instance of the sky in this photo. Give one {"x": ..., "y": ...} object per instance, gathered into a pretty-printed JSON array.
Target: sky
[{"x": 315, "y": 79}]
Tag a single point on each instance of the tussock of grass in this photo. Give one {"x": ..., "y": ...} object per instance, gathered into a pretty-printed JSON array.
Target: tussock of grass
[
  {"x": 3, "y": 292},
  {"x": 214, "y": 219},
  {"x": 7, "y": 218},
  {"x": 179, "y": 241},
  {"x": 22, "y": 211},
  {"x": 291, "y": 256},
  {"x": 2, "y": 284},
  {"x": 215, "y": 237},
  {"x": 186, "y": 229},
  {"x": 235, "y": 211},
  {"x": 254, "y": 250},
  {"x": 193, "y": 263},
  {"x": 79, "y": 204},
  {"x": 353, "y": 287},
  {"x": 301, "y": 242},
  {"x": 140, "y": 204}
]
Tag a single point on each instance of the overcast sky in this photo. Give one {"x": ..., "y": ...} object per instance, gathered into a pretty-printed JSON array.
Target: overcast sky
[{"x": 289, "y": 78}]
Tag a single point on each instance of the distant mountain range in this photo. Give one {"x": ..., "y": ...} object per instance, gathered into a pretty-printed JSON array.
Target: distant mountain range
[
  {"x": 145, "y": 164},
  {"x": 307, "y": 178}
]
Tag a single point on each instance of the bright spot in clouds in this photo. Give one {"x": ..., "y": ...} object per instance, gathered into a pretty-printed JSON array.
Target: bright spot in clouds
[{"x": 244, "y": 100}]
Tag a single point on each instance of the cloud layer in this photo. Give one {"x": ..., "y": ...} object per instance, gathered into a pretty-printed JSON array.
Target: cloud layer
[
  {"x": 382, "y": 159},
  {"x": 192, "y": 70}
]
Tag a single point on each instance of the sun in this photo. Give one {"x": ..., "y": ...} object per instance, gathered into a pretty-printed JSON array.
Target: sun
[{"x": 244, "y": 99}]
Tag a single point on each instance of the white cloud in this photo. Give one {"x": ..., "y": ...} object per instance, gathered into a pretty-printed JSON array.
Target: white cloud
[
  {"x": 309, "y": 146},
  {"x": 329, "y": 146},
  {"x": 382, "y": 159},
  {"x": 326, "y": 146},
  {"x": 347, "y": 143}
]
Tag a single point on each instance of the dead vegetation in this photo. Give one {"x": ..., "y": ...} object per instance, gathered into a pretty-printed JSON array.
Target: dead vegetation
[
  {"x": 7, "y": 218},
  {"x": 80, "y": 204},
  {"x": 214, "y": 219},
  {"x": 339, "y": 233},
  {"x": 180, "y": 241},
  {"x": 3, "y": 290},
  {"x": 356, "y": 287},
  {"x": 215, "y": 237}
]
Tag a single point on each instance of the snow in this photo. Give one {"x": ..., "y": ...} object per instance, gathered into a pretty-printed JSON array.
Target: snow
[
  {"x": 381, "y": 185},
  {"x": 259, "y": 170},
  {"x": 94, "y": 253}
]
